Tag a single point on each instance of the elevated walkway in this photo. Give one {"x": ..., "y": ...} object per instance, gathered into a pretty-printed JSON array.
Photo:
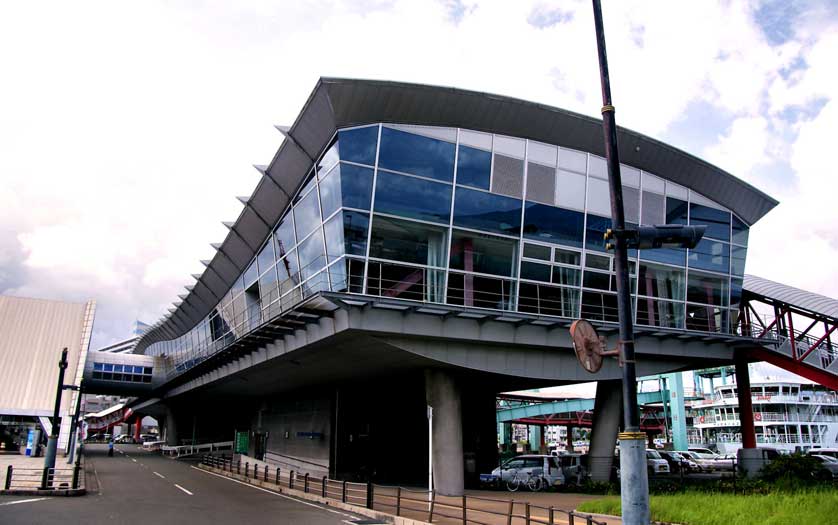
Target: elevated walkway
[{"x": 801, "y": 352}]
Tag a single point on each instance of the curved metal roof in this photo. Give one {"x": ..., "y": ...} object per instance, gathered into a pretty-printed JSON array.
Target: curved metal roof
[
  {"x": 337, "y": 103},
  {"x": 815, "y": 303}
]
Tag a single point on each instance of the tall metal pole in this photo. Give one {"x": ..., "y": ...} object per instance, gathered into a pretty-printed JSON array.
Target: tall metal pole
[
  {"x": 52, "y": 444},
  {"x": 74, "y": 426},
  {"x": 634, "y": 482}
]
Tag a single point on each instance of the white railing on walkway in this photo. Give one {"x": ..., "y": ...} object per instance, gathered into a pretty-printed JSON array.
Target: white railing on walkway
[{"x": 188, "y": 450}]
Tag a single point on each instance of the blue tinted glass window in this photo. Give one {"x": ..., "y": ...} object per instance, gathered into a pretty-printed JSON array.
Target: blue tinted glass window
[
  {"x": 346, "y": 185},
  {"x": 412, "y": 197},
  {"x": 665, "y": 255},
  {"x": 355, "y": 186},
  {"x": 483, "y": 254},
  {"x": 358, "y": 145},
  {"x": 330, "y": 193},
  {"x": 266, "y": 259},
  {"x": 284, "y": 236},
  {"x": 676, "y": 211},
  {"x": 238, "y": 286},
  {"x": 355, "y": 226},
  {"x": 535, "y": 271},
  {"x": 251, "y": 274},
  {"x": 547, "y": 223},
  {"x": 474, "y": 166},
  {"x": 740, "y": 231},
  {"x": 307, "y": 215},
  {"x": 334, "y": 237},
  {"x": 407, "y": 241},
  {"x": 329, "y": 159},
  {"x": 416, "y": 155},
  {"x": 717, "y": 221},
  {"x": 287, "y": 270},
  {"x": 707, "y": 289},
  {"x": 311, "y": 255},
  {"x": 97, "y": 366},
  {"x": 710, "y": 255},
  {"x": 735, "y": 292},
  {"x": 737, "y": 260},
  {"x": 486, "y": 211},
  {"x": 595, "y": 232},
  {"x": 108, "y": 368}
]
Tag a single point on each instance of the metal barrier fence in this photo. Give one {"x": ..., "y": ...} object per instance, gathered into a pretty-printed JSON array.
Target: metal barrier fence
[
  {"x": 401, "y": 501},
  {"x": 42, "y": 478}
]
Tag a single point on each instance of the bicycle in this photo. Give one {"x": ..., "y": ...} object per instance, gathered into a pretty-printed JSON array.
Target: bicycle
[{"x": 533, "y": 483}]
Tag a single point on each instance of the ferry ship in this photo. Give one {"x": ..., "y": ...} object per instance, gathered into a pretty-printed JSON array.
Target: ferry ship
[{"x": 788, "y": 416}]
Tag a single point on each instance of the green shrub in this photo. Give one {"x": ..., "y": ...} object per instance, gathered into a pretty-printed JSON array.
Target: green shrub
[{"x": 794, "y": 471}]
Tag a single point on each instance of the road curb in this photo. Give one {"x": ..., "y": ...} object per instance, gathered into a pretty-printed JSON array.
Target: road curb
[
  {"x": 383, "y": 516},
  {"x": 49, "y": 492}
]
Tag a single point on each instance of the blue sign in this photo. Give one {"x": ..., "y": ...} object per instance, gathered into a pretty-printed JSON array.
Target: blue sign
[{"x": 30, "y": 443}]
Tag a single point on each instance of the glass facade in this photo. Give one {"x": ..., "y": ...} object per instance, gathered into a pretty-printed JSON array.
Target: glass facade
[{"x": 460, "y": 217}]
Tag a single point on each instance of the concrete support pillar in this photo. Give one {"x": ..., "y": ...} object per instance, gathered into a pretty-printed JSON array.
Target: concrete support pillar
[
  {"x": 569, "y": 438},
  {"x": 677, "y": 410},
  {"x": 443, "y": 395},
  {"x": 505, "y": 431},
  {"x": 750, "y": 457},
  {"x": 138, "y": 425},
  {"x": 171, "y": 428},
  {"x": 606, "y": 423},
  {"x": 534, "y": 437}
]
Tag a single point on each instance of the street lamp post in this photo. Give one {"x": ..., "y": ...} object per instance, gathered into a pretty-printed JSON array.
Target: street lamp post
[
  {"x": 634, "y": 481},
  {"x": 52, "y": 443}
]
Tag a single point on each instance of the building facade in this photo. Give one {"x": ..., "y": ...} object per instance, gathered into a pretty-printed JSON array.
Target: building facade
[
  {"x": 436, "y": 243},
  {"x": 459, "y": 217},
  {"x": 33, "y": 333}
]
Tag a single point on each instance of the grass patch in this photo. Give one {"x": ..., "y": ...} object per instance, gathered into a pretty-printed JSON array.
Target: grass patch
[{"x": 697, "y": 508}]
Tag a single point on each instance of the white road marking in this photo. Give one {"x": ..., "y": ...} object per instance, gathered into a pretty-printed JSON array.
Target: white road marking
[
  {"x": 159, "y": 475},
  {"x": 134, "y": 460},
  {"x": 275, "y": 493},
  {"x": 23, "y": 501},
  {"x": 183, "y": 489}
]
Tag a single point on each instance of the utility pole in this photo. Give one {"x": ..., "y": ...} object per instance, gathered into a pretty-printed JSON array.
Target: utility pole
[
  {"x": 52, "y": 443},
  {"x": 634, "y": 481}
]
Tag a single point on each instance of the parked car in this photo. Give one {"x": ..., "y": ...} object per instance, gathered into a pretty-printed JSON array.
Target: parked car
[
  {"x": 829, "y": 463},
  {"x": 703, "y": 463},
  {"x": 678, "y": 463},
  {"x": 574, "y": 467},
  {"x": 124, "y": 438},
  {"x": 655, "y": 463},
  {"x": 831, "y": 452},
  {"x": 545, "y": 468}
]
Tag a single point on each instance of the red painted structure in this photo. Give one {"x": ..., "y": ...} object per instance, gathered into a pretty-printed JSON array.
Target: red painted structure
[{"x": 799, "y": 352}]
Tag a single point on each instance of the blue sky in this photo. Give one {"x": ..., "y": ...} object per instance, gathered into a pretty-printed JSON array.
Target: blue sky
[{"x": 127, "y": 133}]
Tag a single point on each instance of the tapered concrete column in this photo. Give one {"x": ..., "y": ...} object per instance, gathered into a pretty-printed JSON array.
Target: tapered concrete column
[
  {"x": 443, "y": 394},
  {"x": 750, "y": 458},
  {"x": 569, "y": 438},
  {"x": 534, "y": 436},
  {"x": 606, "y": 423},
  {"x": 171, "y": 428}
]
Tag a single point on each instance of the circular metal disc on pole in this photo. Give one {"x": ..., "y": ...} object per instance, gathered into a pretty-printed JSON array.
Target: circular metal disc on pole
[{"x": 587, "y": 344}]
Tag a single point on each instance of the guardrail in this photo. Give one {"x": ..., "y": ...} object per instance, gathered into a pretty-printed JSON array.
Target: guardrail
[
  {"x": 42, "y": 478},
  {"x": 189, "y": 450},
  {"x": 402, "y": 501}
]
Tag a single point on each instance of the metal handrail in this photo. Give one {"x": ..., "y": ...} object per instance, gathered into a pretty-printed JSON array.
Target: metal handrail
[{"x": 426, "y": 503}]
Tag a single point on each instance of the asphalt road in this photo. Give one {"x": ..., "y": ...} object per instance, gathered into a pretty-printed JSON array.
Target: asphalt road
[{"x": 137, "y": 487}]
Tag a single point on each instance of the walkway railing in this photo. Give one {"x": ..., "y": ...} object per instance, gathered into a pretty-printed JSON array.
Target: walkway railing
[
  {"x": 41, "y": 478},
  {"x": 190, "y": 450},
  {"x": 426, "y": 505}
]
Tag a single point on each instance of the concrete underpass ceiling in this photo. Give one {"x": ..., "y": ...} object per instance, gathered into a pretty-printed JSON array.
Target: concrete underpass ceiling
[{"x": 356, "y": 356}]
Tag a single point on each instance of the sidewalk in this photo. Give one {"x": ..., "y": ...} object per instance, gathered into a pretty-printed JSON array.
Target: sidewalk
[{"x": 27, "y": 474}]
